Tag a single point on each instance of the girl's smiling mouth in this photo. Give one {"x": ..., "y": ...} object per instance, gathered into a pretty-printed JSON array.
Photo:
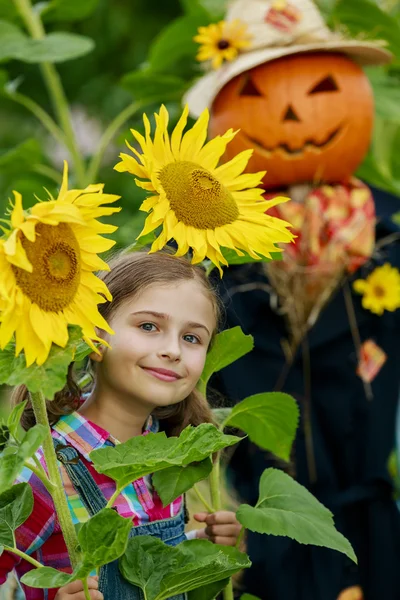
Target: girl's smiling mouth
[{"x": 163, "y": 374}]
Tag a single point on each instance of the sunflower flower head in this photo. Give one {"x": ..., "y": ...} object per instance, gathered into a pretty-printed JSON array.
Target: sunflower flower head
[
  {"x": 380, "y": 290},
  {"x": 222, "y": 41},
  {"x": 197, "y": 203},
  {"x": 48, "y": 256}
]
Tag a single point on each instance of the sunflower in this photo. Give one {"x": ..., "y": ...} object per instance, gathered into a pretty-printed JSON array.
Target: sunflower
[
  {"x": 222, "y": 41},
  {"x": 199, "y": 204},
  {"x": 47, "y": 258},
  {"x": 381, "y": 289}
]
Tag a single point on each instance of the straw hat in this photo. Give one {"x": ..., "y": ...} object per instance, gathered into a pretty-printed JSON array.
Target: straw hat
[{"x": 279, "y": 28}]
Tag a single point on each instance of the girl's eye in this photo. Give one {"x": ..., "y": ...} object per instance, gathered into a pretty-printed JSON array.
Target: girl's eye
[
  {"x": 192, "y": 339},
  {"x": 148, "y": 327}
]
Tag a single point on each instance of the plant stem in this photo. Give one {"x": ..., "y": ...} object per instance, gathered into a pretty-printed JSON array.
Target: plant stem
[
  {"x": 41, "y": 116},
  {"x": 58, "y": 494},
  {"x": 215, "y": 489},
  {"x": 52, "y": 80},
  {"x": 41, "y": 475},
  {"x": 48, "y": 172},
  {"x": 107, "y": 137},
  {"x": 113, "y": 498},
  {"x": 86, "y": 589},
  {"x": 240, "y": 537},
  {"x": 200, "y": 496},
  {"x": 26, "y": 557}
]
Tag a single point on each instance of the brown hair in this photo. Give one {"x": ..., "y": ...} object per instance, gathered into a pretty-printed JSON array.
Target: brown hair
[{"x": 130, "y": 275}]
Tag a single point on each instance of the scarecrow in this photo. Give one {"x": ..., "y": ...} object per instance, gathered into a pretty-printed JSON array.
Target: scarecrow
[{"x": 325, "y": 318}]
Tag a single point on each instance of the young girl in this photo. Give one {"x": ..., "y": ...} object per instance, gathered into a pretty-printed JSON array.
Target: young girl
[{"x": 164, "y": 314}]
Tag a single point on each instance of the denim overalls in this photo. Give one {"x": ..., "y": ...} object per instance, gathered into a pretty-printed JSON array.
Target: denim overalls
[{"x": 171, "y": 531}]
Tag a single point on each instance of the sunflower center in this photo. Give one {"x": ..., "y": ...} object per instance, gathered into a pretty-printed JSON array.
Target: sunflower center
[
  {"x": 55, "y": 258},
  {"x": 379, "y": 291},
  {"x": 223, "y": 44},
  {"x": 197, "y": 197}
]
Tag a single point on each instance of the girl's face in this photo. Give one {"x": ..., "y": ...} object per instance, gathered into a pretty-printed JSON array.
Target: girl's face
[{"x": 159, "y": 346}]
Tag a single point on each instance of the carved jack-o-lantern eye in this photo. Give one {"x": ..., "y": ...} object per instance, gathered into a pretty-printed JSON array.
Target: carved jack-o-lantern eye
[
  {"x": 327, "y": 84},
  {"x": 248, "y": 88}
]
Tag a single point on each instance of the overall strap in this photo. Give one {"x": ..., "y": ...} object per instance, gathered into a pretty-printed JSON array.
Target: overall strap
[{"x": 81, "y": 478}]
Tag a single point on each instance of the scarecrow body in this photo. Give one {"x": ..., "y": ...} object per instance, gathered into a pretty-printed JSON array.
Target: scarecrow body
[{"x": 308, "y": 115}]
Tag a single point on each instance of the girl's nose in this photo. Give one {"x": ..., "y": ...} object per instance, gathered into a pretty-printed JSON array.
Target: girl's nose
[{"x": 171, "y": 350}]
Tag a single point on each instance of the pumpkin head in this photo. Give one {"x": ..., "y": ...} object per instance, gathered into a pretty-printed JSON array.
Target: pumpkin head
[{"x": 308, "y": 118}]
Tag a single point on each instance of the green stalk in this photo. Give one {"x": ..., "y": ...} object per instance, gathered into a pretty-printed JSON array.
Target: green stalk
[
  {"x": 58, "y": 494},
  {"x": 26, "y": 557},
  {"x": 54, "y": 86},
  {"x": 86, "y": 589},
  {"x": 200, "y": 496},
  {"x": 215, "y": 489},
  {"x": 107, "y": 137},
  {"x": 40, "y": 474},
  {"x": 40, "y": 114}
]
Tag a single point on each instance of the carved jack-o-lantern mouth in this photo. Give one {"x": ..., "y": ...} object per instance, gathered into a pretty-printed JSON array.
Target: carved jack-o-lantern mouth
[{"x": 309, "y": 145}]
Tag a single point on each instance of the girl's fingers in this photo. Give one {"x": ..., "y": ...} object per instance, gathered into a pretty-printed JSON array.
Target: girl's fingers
[
  {"x": 94, "y": 595},
  {"x": 223, "y": 530},
  {"x": 221, "y": 517},
  {"x": 224, "y": 541}
]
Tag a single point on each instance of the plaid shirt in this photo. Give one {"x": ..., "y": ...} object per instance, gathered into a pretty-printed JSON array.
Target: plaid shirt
[{"x": 40, "y": 536}]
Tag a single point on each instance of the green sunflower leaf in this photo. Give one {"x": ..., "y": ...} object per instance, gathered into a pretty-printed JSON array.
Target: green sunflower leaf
[
  {"x": 269, "y": 419},
  {"x": 14, "y": 457},
  {"x": 233, "y": 257},
  {"x": 154, "y": 452},
  {"x": 228, "y": 346},
  {"x": 102, "y": 539},
  {"x": 148, "y": 85},
  {"x": 164, "y": 571},
  {"x": 49, "y": 377},
  {"x": 14, "y": 419},
  {"x": 54, "y": 47},
  {"x": 174, "y": 47},
  {"x": 172, "y": 482},
  {"x": 68, "y": 10},
  {"x": 16, "y": 504},
  {"x": 286, "y": 508}
]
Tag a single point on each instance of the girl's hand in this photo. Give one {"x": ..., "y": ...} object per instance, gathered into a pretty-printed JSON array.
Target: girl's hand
[
  {"x": 222, "y": 527},
  {"x": 74, "y": 590}
]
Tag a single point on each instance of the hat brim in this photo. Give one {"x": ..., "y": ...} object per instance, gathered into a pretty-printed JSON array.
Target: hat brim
[{"x": 202, "y": 94}]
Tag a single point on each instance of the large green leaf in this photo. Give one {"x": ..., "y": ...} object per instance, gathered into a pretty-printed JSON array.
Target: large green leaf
[
  {"x": 209, "y": 10},
  {"x": 68, "y": 10},
  {"x": 228, "y": 346},
  {"x": 288, "y": 509},
  {"x": 269, "y": 419},
  {"x": 13, "y": 458},
  {"x": 102, "y": 539},
  {"x": 175, "y": 43},
  {"x": 386, "y": 94},
  {"x": 16, "y": 504},
  {"x": 363, "y": 17},
  {"x": 14, "y": 419},
  {"x": 174, "y": 481},
  {"x": 154, "y": 87},
  {"x": 380, "y": 168},
  {"x": 49, "y": 377},
  {"x": 54, "y": 47},
  {"x": 154, "y": 452},
  {"x": 209, "y": 591},
  {"x": 163, "y": 571}
]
